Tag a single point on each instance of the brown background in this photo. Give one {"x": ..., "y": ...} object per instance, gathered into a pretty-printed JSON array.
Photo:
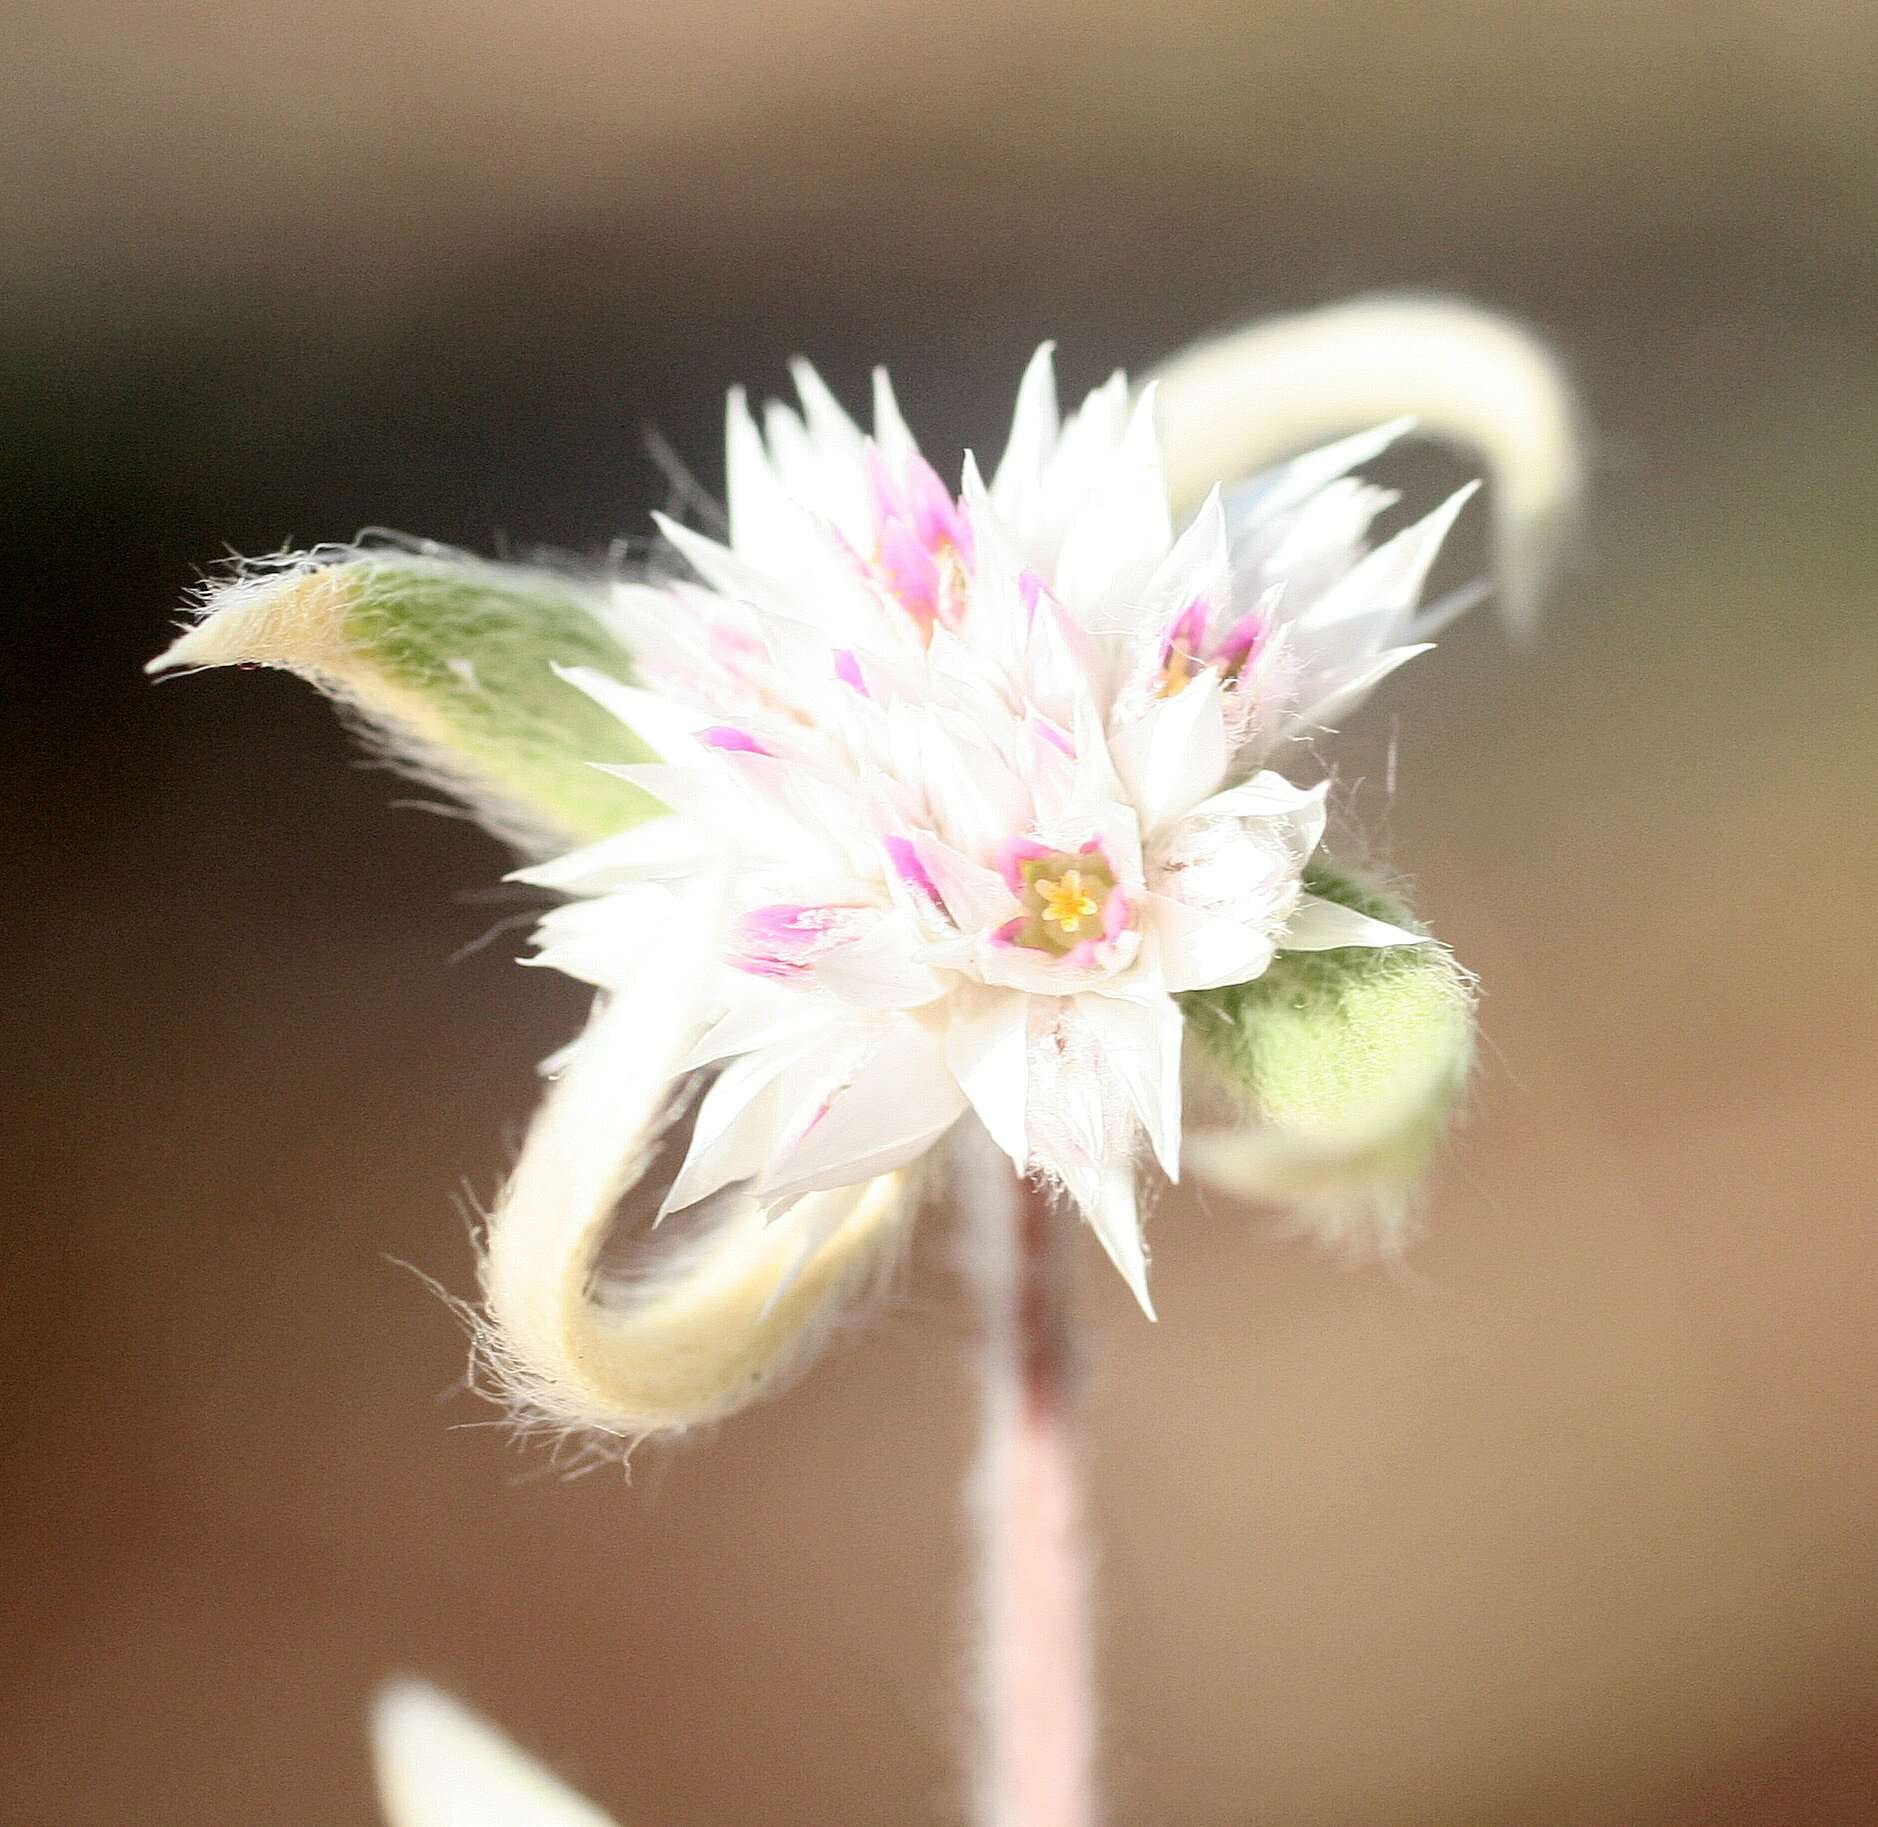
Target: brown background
[{"x": 1568, "y": 1525}]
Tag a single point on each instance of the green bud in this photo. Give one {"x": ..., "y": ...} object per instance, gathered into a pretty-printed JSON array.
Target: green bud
[
  {"x": 1338, "y": 1069},
  {"x": 449, "y": 662}
]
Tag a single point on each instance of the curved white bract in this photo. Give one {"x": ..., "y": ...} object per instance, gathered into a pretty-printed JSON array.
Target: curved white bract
[
  {"x": 707, "y": 1329},
  {"x": 1244, "y": 400}
]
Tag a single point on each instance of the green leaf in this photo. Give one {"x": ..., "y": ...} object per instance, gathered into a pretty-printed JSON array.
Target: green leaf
[{"x": 449, "y": 662}]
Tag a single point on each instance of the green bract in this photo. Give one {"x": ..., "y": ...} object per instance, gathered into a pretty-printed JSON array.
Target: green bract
[
  {"x": 1343, "y": 1066},
  {"x": 451, "y": 663}
]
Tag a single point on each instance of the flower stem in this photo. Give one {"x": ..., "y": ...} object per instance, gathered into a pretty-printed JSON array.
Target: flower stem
[{"x": 1036, "y": 1705}]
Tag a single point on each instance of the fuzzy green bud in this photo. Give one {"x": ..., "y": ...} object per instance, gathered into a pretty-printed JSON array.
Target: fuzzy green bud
[{"x": 1339, "y": 1070}]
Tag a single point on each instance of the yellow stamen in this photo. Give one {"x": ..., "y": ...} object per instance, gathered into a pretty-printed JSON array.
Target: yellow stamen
[
  {"x": 1176, "y": 675},
  {"x": 1064, "y": 902}
]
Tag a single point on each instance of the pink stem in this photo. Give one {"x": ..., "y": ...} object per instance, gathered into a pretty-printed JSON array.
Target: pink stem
[{"x": 1036, "y": 1696}]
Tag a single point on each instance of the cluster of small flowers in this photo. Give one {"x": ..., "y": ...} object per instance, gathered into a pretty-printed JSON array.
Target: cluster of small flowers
[{"x": 984, "y": 782}]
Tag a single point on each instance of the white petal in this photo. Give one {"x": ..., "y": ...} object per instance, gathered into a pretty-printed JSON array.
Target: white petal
[
  {"x": 1289, "y": 818},
  {"x": 1264, "y": 497},
  {"x": 1139, "y": 1042},
  {"x": 703, "y": 797},
  {"x": 1019, "y": 476},
  {"x": 1116, "y": 1220},
  {"x": 1306, "y": 552},
  {"x": 975, "y": 897},
  {"x": 1391, "y": 577},
  {"x": 1344, "y": 690},
  {"x": 1448, "y": 609},
  {"x": 1050, "y": 770},
  {"x": 1338, "y": 648},
  {"x": 438, "y": 1765},
  {"x": 1098, "y": 804},
  {"x": 760, "y": 1014},
  {"x": 658, "y": 850},
  {"x": 1081, "y": 1123},
  {"x": 605, "y": 942},
  {"x": 890, "y": 432},
  {"x": 1065, "y": 668},
  {"x": 735, "y": 1130},
  {"x": 827, "y": 489},
  {"x": 816, "y": 455},
  {"x": 1086, "y": 446},
  {"x": 836, "y": 435},
  {"x": 988, "y": 1050},
  {"x": 1000, "y": 559},
  {"x": 879, "y": 970},
  {"x": 1264, "y": 795},
  {"x": 1175, "y": 754},
  {"x": 1196, "y": 567},
  {"x": 958, "y": 676},
  {"x": 978, "y": 799},
  {"x": 722, "y": 568},
  {"x": 899, "y": 1101},
  {"x": 1319, "y": 925},
  {"x": 670, "y": 732},
  {"x": 801, "y": 1232},
  {"x": 1041, "y": 973},
  {"x": 1202, "y": 951},
  {"x": 767, "y": 526},
  {"x": 1122, "y": 530}
]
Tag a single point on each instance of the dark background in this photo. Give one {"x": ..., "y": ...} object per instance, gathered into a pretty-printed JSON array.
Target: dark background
[{"x": 1568, "y": 1524}]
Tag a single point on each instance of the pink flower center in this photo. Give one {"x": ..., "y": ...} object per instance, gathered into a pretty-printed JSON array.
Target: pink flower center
[{"x": 1071, "y": 902}]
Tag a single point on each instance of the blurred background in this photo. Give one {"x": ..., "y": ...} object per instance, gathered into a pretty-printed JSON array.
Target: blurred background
[{"x": 1569, "y": 1523}]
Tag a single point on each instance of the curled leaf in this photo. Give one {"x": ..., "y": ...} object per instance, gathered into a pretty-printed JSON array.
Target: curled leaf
[
  {"x": 1241, "y": 401},
  {"x": 449, "y": 663},
  {"x": 1338, "y": 1070}
]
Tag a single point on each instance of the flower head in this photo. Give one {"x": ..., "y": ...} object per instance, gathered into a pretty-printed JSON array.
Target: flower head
[
  {"x": 986, "y": 776},
  {"x": 934, "y": 789}
]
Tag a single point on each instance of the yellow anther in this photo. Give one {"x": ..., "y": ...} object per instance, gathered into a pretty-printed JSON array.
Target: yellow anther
[
  {"x": 1064, "y": 902},
  {"x": 1176, "y": 674}
]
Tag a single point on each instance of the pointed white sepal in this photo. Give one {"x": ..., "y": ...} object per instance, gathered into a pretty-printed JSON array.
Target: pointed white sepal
[
  {"x": 1320, "y": 925},
  {"x": 1116, "y": 1220},
  {"x": 438, "y": 1765}
]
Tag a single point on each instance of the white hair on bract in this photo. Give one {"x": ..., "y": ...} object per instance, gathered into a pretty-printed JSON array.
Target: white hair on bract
[
  {"x": 438, "y": 1765},
  {"x": 709, "y": 1328},
  {"x": 444, "y": 664},
  {"x": 1237, "y": 402}
]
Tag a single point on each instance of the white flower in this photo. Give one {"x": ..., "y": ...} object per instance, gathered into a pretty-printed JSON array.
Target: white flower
[{"x": 981, "y": 782}]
